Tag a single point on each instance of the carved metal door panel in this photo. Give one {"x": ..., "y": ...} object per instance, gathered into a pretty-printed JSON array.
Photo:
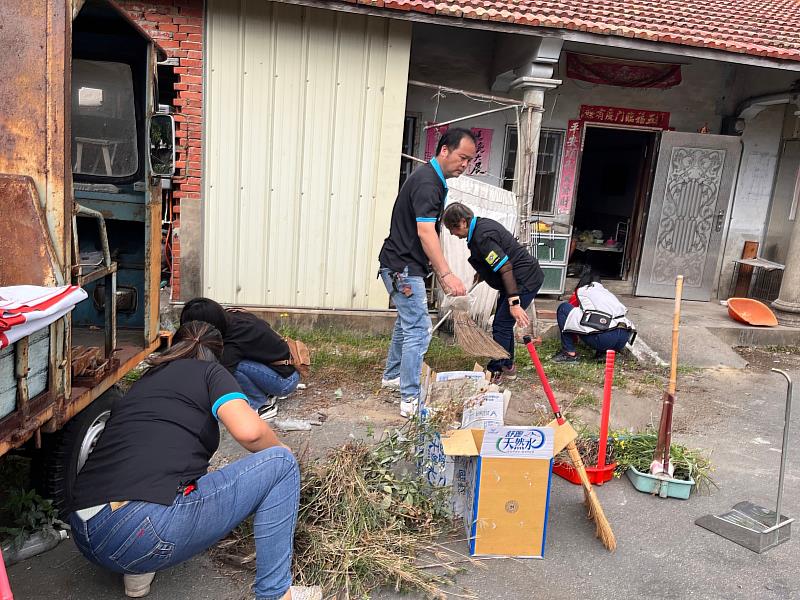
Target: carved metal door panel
[{"x": 694, "y": 178}]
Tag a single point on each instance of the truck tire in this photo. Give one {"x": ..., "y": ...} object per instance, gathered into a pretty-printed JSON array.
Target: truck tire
[{"x": 65, "y": 452}]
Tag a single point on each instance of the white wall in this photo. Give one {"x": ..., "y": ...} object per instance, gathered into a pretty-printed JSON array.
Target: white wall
[
  {"x": 750, "y": 208},
  {"x": 775, "y": 244}
]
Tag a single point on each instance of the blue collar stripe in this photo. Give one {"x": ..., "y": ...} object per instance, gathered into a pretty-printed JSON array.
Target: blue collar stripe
[
  {"x": 471, "y": 229},
  {"x": 438, "y": 169}
]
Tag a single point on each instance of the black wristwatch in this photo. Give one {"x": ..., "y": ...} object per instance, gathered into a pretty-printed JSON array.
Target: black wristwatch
[{"x": 514, "y": 301}]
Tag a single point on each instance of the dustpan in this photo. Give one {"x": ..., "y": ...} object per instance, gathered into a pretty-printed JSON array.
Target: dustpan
[
  {"x": 752, "y": 312},
  {"x": 748, "y": 524}
]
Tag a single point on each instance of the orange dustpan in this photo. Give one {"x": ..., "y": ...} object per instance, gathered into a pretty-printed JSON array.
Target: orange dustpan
[{"x": 751, "y": 312}]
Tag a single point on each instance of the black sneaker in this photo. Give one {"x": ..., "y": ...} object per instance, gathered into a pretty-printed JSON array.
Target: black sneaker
[
  {"x": 563, "y": 357},
  {"x": 269, "y": 410}
]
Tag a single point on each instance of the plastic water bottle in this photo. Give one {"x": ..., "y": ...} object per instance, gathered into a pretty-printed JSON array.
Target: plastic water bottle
[{"x": 39, "y": 542}]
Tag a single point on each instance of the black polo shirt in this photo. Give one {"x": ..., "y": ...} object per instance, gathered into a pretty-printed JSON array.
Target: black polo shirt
[
  {"x": 251, "y": 338},
  {"x": 491, "y": 246},
  {"x": 160, "y": 435},
  {"x": 421, "y": 200}
]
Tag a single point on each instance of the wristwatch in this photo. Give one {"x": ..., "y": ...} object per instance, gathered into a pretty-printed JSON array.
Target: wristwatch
[{"x": 513, "y": 301}]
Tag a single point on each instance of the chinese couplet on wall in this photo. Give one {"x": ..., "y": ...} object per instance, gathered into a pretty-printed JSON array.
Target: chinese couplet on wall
[{"x": 483, "y": 144}]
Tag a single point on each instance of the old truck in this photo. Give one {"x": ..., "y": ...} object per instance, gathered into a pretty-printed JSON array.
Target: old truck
[{"x": 82, "y": 155}]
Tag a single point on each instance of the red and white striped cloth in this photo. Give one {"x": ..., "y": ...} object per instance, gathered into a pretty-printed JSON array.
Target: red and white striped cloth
[{"x": 25, "y": 309}]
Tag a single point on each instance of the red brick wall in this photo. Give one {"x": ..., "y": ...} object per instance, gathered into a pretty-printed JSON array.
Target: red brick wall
[{"x": 177, "y": 25}]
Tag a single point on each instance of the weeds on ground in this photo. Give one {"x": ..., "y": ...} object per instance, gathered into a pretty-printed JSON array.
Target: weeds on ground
[
  {"x": 573, "y": 377},
  {"x": 341, "y": 355},
  {"x": 132, "y": 376},
  {"x": 364, "y": 520},
  {"x": 584, "y": 398},
  {"x": 636, "y": 450},
  {"x": 588, "y": 372},
  {"x": 782, "y": 349},
  {"x": 22, "y": 510}
]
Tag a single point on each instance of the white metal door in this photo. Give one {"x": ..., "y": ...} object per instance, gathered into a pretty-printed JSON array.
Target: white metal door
[{"x": 694, "y": 179}]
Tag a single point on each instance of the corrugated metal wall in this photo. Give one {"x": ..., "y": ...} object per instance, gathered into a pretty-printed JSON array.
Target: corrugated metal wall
[{"x": 304, "y": 119}]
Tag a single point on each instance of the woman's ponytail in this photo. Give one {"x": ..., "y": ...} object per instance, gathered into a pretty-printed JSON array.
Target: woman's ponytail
[{"x": 194, "y": 340}]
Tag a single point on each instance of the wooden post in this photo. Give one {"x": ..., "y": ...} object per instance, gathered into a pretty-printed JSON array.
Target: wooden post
[{"x": 745, "y": 274}]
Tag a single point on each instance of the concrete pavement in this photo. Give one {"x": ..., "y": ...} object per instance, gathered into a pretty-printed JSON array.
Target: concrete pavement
[{"x": 661, "y": 553}]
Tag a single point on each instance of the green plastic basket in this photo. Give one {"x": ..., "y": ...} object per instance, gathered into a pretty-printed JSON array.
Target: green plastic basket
[{"x": 665, "y": 488}]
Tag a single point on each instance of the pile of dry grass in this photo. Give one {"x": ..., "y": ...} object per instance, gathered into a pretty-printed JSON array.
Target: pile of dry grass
[
  {"x": 362, "y": 523},
  {"x": 365, "y": 521}
]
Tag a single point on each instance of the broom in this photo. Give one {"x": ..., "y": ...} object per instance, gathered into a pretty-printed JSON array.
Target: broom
[
  {"x": 603, "y": 528},
  {"x": 471, "y": 337},
  {"x": 662, "y": 465}
]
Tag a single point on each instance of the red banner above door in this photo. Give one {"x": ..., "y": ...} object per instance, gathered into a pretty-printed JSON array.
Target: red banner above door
[{"x": 622, "y": 73}]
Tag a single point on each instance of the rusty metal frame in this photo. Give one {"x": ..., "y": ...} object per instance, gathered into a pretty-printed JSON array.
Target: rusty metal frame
[
  {"x": 43, "y": 413},
  {"x": 37, "y": 146}
]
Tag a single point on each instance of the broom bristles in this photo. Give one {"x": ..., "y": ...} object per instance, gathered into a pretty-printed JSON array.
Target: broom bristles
[
  {"x": 473, "y": 339},
  {"x": 602, "y": 526}
]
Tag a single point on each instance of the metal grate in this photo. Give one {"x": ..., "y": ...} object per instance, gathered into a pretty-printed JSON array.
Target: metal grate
[{"x": 756, "y": 278}]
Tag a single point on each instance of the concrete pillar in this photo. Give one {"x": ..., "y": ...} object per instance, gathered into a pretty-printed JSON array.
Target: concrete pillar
[
  {"x": 787, "y": 306},
  {"x": 533, "y": 90}
]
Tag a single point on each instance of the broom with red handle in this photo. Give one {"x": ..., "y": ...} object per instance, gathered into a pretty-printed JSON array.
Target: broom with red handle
[
  {"x": 603, "y": 528},
  {"x": 5, "y": 588},
  {"x": 609, "y": 380}
]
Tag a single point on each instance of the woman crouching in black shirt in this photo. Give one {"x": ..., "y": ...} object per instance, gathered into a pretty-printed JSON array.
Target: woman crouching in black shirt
[{"x": 144, "y": 501}]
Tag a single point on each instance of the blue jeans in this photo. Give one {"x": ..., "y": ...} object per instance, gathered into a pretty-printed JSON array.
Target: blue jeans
[
  {"x": 259, "y": 381},
  {"x": 142, "y": 537},
  {"x": 613, "y": 339},
  {"x": 503, "y": 329},
  {"x": 410, "y": 338}
]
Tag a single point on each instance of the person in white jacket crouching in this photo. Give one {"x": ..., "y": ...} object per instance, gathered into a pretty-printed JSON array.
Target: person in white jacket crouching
[{"x": 594, "y": 316}]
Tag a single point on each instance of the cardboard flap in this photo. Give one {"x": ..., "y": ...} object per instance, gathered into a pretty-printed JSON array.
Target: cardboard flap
[
  {"x": 564, "y": 434},
  {"x": 463, "y": 442}
]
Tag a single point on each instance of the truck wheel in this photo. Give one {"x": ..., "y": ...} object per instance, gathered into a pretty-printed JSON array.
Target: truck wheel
[{"x": 64, "y": 453}]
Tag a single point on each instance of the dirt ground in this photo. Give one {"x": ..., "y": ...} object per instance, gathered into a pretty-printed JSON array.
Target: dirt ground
[{"x": 734, "y": 413}]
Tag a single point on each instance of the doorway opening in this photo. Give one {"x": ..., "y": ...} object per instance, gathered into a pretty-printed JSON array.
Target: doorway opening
[{"x": 613, "y": 190}]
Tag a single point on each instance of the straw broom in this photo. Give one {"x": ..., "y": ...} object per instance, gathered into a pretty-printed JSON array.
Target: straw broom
[
  {"x": 602, "y": 526},
  {"x": 471, "y": 337}
]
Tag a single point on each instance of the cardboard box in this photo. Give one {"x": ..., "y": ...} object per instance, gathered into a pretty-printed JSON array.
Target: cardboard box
[
  {"x": 506, "y": 481},
  {"x": 487, "y": 409},
  {"x": 481, "y": 408}
]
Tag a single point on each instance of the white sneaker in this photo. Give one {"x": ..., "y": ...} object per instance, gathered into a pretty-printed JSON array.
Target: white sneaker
[
  {"x": 138, "y": 586},
  {"x": 408, "y": 407},
  {"x": 269, "y": 410},
  {"x": 301, "y": 592},
  {"x": 391, "y": 384}
]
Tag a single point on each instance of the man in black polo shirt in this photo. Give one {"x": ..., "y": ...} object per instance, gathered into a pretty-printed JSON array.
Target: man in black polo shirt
[
  {"x": 502, "y": 262},
  {"x": 409, "y": 253}
]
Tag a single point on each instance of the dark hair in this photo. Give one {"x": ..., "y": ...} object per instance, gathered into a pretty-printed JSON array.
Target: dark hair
[
  {"x": 205, "y": 309},
  {"x": 454, "y": 213},
  {"x": 588, "y": 276},
  {"x": 196, "y": 339},
  {"x": 452, "y": 138}
]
